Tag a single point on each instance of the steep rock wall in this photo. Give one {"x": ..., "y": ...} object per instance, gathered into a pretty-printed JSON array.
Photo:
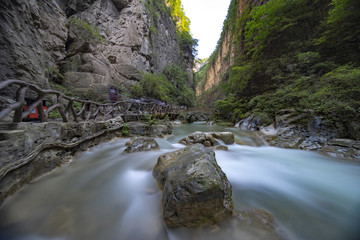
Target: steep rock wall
[
  {"x": 32, "y": 38},
  {"x": 85, "y": 45},
  {"x": 225, "y": 54}
]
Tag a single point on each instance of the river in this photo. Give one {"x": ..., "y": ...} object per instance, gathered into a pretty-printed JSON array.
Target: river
[{"x": 105, "y": 194}]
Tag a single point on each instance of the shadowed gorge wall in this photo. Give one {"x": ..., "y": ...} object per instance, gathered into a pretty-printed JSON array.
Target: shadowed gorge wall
[{"x": 82, "y": 46}]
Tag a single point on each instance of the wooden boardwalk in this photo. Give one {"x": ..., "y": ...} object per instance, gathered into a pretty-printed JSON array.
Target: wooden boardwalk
[{"x": 73, "y": 109}]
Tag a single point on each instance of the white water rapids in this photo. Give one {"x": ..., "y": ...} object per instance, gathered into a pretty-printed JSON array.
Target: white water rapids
[{"x": 105, "y": 194}]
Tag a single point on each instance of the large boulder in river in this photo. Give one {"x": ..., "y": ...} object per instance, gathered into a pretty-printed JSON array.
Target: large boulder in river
[
  {"x": 208, "y": 139},
  {"x": 196, "y": 192},
  {"x": 141, "y": 144}
]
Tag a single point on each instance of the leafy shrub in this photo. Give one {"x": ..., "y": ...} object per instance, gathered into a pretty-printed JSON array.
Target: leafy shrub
[
  {"x": 125, "y": 130},
  {"x": 343, "y": 20},
  {"x": 136, "y": 91},
  {"x": 156, "y": 86},
  {"x": 338, "y": 94},
  {"x": 308, "y": 58},
  {"x": 55, "y": 114},
  {"x": 149, "y": 119},
  {"x": 240, "y": 76}
]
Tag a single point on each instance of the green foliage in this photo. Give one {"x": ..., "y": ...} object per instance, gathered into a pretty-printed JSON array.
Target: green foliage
[
  {"x": 182, "y": 22},
  {"x": 275, "y": 20},
  {"x": 106, "y": 127},
  {"x": 55, "y": 75},
  {"x": 136, "y": 91},
  {"x": 125, "y": 130},
  {"x": 176, "y": 11},
  {"x": 64, "y": 90},
  {"x": 149, "y": 119},
  {"x": 308, "y": 59},
  {"x": 156, "y": 86},
  {"x": 334, "y": 96},
  {"x": 342, "y": 23},
  {"x": 231, "y": 108},
  {"x": 89, "y": 32},
  {"x": 77, "y": 105},
  {"x": 55, "y": 114},
  {"x": 152, "y": 30},
  {"x": 178, "y": 15},
  {"x": 338, "y": 94},
  {"x": 200, "y": 76},
  {"x": 171, "y": 86},
  {"x": 182, "y": 93},
  {"x": 176, "y": 75},
  {"x": 291, "y": 54},
  {"x": 239, "y": 77}
]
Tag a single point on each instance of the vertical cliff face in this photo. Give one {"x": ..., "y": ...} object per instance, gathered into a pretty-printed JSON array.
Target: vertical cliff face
[
  {"x": 223, "y": 60},
  {"x": 227, "y": 50},
  {"x": 86, "y": 45},
  {"x": 32, "y": 38}
]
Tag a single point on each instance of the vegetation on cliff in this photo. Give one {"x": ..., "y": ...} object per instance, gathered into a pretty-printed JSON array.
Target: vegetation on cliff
[
  {"x": 173, "y": 84},
  {"x": 170, "y": 86},
  {"x": 182, "y": 26},
  {"x": 298, "y": 54},
  {"x": 174, "y": 9}
]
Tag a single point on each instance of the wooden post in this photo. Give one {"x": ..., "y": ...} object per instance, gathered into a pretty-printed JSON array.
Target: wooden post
[
  {"x": 88, "y": 115},
  {"x": 20, "y": 98},
  {"x": 73, "y": 111},
  {"x": 125, "y": 111},
  {"x": 61, "y": 108},
  {"x": 42, "y": 114}
]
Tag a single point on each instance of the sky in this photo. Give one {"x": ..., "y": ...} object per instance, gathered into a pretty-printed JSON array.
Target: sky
[{"x": 207, "y": 18}]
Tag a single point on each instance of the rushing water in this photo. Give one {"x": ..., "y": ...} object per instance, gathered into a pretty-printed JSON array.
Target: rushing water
[{"x": 105, "y": 194}]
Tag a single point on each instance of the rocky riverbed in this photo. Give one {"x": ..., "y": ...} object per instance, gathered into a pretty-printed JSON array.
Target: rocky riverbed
[{"x": 304, "y": 131}]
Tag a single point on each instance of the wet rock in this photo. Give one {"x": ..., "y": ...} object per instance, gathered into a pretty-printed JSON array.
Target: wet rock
[
  {"x": 257, "y": 223},
  {"x": 269, "y": 130},
  {"x": 342, "y": 148},
  {"x": 253, "y": 122},
  {"x": 141, "y": 144},
  {"x": 208, "y": 139},
  {"x": 221, "y": 148},
  {"x": 196, "y": 191},
  {"x": 198, "y": 137},
  {"x": 344, "y": 143},
  {"x": 120, "y": 4},
  {"x": 138, "y": 128},
  {"x": 44, "y": 147},
  {"x": 227, "y": 137},
  {"x": 307, "y": 144}
]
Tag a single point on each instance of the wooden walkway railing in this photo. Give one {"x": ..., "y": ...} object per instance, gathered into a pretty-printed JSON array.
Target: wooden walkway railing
[{"x": 68, "y": 109}]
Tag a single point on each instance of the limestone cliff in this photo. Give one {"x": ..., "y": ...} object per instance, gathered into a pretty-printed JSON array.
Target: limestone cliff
[
  {"x": 86, "y": 45},
  {"x": 224, "y": 56}
]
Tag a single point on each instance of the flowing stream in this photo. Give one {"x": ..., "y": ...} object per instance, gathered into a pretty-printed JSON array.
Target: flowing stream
[{"x": 105, "y": 194}]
